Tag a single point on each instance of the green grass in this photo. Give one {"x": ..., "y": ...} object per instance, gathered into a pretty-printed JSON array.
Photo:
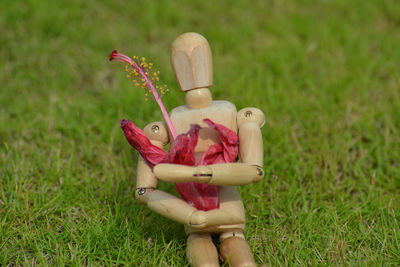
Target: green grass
[{"x": 326, "y": 74}]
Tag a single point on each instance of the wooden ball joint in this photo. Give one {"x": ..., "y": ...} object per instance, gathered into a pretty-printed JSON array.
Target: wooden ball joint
[{"x": 192, "y": 63}]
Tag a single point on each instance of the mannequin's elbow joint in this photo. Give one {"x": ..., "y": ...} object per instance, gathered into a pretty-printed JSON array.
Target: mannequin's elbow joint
[{"x": 143, "y": 194}]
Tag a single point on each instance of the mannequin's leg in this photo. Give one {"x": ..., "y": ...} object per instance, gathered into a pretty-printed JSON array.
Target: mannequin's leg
[
  {"x": 201, "y": 251},
  {"x": 235, "y": 250}
]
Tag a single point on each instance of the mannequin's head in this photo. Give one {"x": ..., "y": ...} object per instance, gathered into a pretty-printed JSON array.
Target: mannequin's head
[{"x": 191, "y": 60}]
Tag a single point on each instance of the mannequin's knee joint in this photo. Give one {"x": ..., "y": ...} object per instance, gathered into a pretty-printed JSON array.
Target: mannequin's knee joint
[{"x": 227, "y": 235}]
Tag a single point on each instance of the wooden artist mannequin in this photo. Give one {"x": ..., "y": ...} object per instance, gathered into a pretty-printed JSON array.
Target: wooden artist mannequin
[{"x": 192, "y": 62}]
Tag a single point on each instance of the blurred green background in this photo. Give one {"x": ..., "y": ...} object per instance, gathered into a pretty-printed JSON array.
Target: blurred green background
[{"x": 325, "y": 73}]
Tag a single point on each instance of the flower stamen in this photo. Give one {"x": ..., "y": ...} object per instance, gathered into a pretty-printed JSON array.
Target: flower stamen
[{"x": 141, "y": 69}]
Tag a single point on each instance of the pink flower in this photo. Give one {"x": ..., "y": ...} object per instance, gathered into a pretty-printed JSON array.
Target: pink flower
[{"x": 201, "y": 196}]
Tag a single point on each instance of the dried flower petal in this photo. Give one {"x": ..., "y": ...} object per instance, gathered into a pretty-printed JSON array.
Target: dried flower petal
[
  {"x": 201, "y": 196},
  {"x": 182, "y": 149},
  {"x": 138, "y": 140},
  {"x": 226, "y": 151}
]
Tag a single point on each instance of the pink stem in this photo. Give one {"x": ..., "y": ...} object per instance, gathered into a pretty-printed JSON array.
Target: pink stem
[
  {"x": 123, "y": 58},
  {"x": 158, "y": 100}
]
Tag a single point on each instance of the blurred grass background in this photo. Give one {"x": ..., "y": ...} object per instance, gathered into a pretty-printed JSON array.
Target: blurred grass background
[{"x": 326, "y": 74}]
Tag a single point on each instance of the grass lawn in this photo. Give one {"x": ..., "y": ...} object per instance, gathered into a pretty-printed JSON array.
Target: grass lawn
[{"x": 325, "y": 73}]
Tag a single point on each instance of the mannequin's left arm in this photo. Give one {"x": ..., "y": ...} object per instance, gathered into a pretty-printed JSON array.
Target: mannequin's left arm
[{"x": 249, "y": 170}]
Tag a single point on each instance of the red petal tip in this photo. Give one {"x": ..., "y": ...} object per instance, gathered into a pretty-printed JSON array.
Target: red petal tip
[
  {"x": 113, "y": 54},
  {"x": 123, "y": 123}
]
